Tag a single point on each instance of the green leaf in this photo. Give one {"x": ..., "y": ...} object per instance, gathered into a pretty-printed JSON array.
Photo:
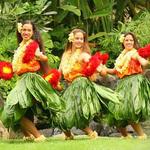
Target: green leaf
[
  {"x": 100, "y": 34},
  {"x": 107, "y": 93},
  {"x": 47, "y": 40},
  {"x": 19, "y": 11},
  {"x": 46, "y": 6},
  {"x": 71, "y": 8},
  {"x": 50, "y": 13},
  {"x": 84, "y": 6},
  {"x": 60, "y": 16},
  {"x": 100, "y": 13}
]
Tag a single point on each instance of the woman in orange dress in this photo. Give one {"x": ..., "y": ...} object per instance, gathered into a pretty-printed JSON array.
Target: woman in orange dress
[
  {"x": 133, "y": 87},
  {"x": 31, "y": 90},
  {"x": 83, "y": 98}
]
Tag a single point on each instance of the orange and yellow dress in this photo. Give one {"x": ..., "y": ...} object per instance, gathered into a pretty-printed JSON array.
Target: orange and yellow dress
[
  {"x": 134, "y": 89},
  {"x": 83, "y": 98},
  {"x": 31, "y": 90}
]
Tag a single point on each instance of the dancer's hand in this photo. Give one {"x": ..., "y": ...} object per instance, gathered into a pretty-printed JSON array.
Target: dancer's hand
[{"x": 43, "y": 58}]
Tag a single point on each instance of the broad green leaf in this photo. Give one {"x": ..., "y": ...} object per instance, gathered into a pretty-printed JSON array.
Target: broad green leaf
[
  {"x": 84, "y": 6},
  {"x": 92, "y": 37},
  {"x": 19, "y": 11},
  {"x": 71, "y": 8},
  {"x": 46, "y": 6},
  {"x": 100, "y": 13}
]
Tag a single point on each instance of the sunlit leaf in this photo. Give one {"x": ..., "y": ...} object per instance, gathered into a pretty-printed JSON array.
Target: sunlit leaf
[{"x": 71, "y": 8}]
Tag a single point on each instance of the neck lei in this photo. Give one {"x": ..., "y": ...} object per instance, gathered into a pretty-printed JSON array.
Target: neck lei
[
  {"x": 19, "y": 53},
  {"x": 69, "y": 59},
  {"x": 122, "y": 62}
]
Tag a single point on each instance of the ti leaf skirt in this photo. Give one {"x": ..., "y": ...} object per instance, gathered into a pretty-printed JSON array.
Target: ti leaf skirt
[{"x": 29, "y": 91}]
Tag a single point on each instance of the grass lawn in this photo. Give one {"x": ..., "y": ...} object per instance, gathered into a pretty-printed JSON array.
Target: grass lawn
[{"x": 79, "y": 143}]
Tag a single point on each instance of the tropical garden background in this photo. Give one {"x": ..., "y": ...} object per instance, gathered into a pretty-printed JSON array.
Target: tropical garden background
[{"x": 103, "y": 20}]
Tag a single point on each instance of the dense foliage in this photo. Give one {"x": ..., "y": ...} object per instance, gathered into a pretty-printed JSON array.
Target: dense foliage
[{"x": 103, "y": 20}]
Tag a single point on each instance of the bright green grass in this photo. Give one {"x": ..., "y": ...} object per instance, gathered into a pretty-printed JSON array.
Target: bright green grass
[{"x": 79, "y": 143}]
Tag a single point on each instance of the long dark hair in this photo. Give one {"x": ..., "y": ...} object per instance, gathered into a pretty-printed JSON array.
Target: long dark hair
[
  {"x": 86, "y": 47},
  {"x": 136, "y": 43},
  {"x": 37, "y": 37}
]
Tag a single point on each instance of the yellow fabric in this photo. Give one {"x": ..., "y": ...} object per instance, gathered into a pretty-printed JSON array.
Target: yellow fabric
[
  {"x": 75, "y": 72},
  {"x": 32, "y": 66},
  {"x": 18, "y": 66},
  {"x": 134, "y": 67},
  {"x": 71, "y": 64},
  {"x": 126, "y": 63}
]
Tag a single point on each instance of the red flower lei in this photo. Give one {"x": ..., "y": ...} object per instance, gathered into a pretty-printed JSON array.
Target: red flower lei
[
  {"x": 53, "y": 77},
  {"x": 6, "y": 71},
  {"x": 144, "y": 51},
  {"x": 30, "y": 51},
  {"x": 90, "y": 67}
]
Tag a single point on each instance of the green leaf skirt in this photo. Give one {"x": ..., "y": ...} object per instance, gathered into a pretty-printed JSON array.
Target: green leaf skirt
[
  {"x": 30, "y": 90},
  {"x": 135, "y": 104},
  {"x": 84, "y": 100}
]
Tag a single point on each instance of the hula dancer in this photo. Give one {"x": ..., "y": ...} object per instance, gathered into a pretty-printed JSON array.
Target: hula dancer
[
  {"x": 133, "y": 86},
  {"x": 83, "y": 98},
  {"x": 31, "y": 90}
]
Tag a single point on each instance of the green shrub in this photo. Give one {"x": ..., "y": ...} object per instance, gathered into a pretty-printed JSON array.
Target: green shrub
[{"x": 110, "y": 42}]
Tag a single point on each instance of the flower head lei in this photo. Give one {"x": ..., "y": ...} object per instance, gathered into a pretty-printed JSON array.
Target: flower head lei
[
  {"x": 19, "y": 27},
  {"x": 71, "y": 37},
  {"x": 121, "y": 38}
]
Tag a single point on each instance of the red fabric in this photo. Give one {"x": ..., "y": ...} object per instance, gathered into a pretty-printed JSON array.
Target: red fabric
[
  {"x": 144, "y": 51},
  {"x": 30, "y": 52},
  {"x": 104, "y": 58},
  {"x": 133, "y": 68},
  {"x": 53, "y": 77},
  {"x": 6, "y": 71},
  {"x": 90, "y": 67},
  {"x": 32, "y": 66}
]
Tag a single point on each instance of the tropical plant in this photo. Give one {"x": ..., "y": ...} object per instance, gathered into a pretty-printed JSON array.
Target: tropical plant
[
  {"x": 125, "y": 10},
  {"x": 13, "y": 11},
  {"x": 103, "y": 20},
  {"x": 140, "y": 26},
  {"x": 6, "y": 86}
]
